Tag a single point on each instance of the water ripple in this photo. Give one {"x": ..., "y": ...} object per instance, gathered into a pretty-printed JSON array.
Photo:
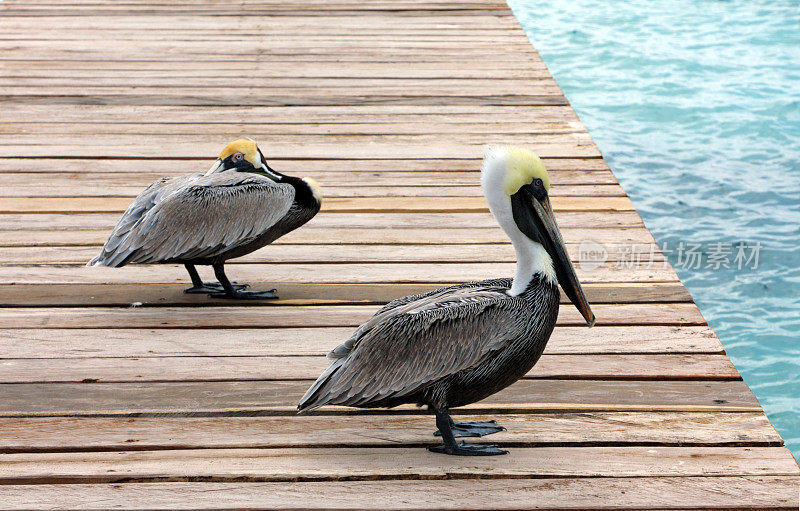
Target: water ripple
[{"x": 696, "y": 107}]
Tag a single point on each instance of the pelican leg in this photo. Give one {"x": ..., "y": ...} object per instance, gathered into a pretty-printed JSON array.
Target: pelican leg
[
  {"x": 198, "y": 286},
  {"x": 238, "y": 294},
  {"x": 473, "y": 429},
  {"x": 450, "y": 446}
]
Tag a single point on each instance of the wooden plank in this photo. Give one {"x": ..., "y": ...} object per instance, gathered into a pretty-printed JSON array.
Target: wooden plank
[
  {"x": 275, "y": 84},
  {"x": 333, "y": 36},
  {"x": 350, "y": 10},
  {"x": 538, "y": 91},
  {"x": 277, "y": 254},
  {"x": 195, "y": 145},
  {"x": 287, "y": 69},
  {"x": 172, "y": 166},
  {"x": 259, "y": 25},
  {"x": 255, "y": 368},
  {"x": 663, "y": 493},
  {"x": 342, "y": 88},
  {"x": 288, "y": 316},
  {"x": 613, "y": 239},
  {"x": 70, "y": 343},
  {"x": 331, "y": 253},
  {"x": 130, "y": 184},
  {"x": 592, "y": 224},
  {"x": 130, "y": 8},
  {"x": 220, "y": 115},
  {"x": 323, "y": 273},
  {"x": 379, "y": 204},
  {"x": 61, "y": 434},
  {"x": 281, "y": 397},
  {"x": 161, "y": 295},
  {"x": 58, "y": 188},
  {"x": 326, "y": 147},
  {"x": 409, "y": 463}
]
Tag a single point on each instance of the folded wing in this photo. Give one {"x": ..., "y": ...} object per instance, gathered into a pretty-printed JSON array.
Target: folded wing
[
  {"x": 404, "y": 348},
  {"x": 195, "y": 217}
]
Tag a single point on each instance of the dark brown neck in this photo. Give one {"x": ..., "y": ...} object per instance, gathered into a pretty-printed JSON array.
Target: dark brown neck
[{"x": 303, "y": 194}]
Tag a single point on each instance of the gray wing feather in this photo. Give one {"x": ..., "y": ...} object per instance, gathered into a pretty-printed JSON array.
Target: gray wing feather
[
  {"x": 402, "y": 349},
  {"x": 194, "y": 217},
  {"x": 443, "y": 296}
]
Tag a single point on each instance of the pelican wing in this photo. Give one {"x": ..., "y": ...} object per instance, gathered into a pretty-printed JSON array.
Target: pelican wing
[
  {"x": 195, "y": 217},
  {"x": 400, "y": 350}
]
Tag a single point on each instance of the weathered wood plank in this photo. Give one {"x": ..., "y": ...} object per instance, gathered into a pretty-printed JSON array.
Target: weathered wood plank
[
  {"x": 41, "y": 434},
  {"x": 163, "y": 167},
  {"x": 259, "y": 25},
  {"x": 378, "y": 204},
  {"x": 130, "y": 184},
  {"x": 220, "y": 116},
  {"x": 335, "y": 253},
  {"x": 247, "y": 342},
  {"x": 202, "y": 367},
  {"x": 538, "y": 89},
  {"x": 277, "y": 85},
  {"x": 161, "y": 295},
  {"x": 406, "y": 125},
  {"x": 615, "y": 493},
  {"x": 534, "y": 92},
  {"x": 408, "y": 463},
  {"x": 42, "y": 236},
  {"x": 350, "y": 10},
  {"x": 60, "y": 189},
  {"x": 322, "y": 273},
  {"x": 281, "y": 397},
  {"x": 325, "y": 147},
  {"x": 433, "y": 204},
  {"x": 288, "y": 316},
  {"x": 592, "y": 224}
]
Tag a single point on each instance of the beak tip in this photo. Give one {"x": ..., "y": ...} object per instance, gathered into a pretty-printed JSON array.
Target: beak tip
[
  {"x": 214, "y": 168},
  {"x": 591, "y": 321}
]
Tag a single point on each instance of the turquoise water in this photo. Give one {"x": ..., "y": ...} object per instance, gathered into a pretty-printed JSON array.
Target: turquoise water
[{"x": 696, "y": 107}]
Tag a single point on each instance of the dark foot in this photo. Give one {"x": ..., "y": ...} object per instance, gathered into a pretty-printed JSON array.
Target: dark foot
[
  {"x": 465, "y": 449},
  {"x": 473, "y": 429},
  {"x": 247, "y": 295},
  {"x": 212, "y": 287}
]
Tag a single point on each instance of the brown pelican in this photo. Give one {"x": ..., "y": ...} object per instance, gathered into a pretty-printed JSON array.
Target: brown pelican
[
  {"x": 460, "y": 344},
  {"x": 237, "y": 207}
]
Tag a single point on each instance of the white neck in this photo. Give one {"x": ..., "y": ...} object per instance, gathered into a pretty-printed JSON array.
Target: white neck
[{"x": 532, "y": 258}]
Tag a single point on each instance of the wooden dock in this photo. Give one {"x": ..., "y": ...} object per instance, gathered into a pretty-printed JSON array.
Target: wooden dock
[{"x": 118, "y": 391}]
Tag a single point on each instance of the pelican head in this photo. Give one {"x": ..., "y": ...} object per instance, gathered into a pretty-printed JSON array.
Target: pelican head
[
  {"x": 516, "y": 186},
  {"x": 243, "y": 155}
]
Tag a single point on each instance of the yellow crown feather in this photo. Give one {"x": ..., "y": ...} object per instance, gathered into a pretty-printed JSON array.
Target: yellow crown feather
[
  {"x": 247, "y": 147},
  {"x": 522, "y": 167}
]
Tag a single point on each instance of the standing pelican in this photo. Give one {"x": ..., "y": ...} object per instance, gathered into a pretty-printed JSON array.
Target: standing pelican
[
  {"x": 457, "y": 345},
  {"x": 237, "y": 207}
]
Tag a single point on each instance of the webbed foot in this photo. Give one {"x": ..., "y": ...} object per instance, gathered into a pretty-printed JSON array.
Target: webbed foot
[
  {"x": 465, "y": 449},
  {"x": 212, "y": 287},
  {"x": 246, "y": 295},
  {"x": 473, "y": 429}
]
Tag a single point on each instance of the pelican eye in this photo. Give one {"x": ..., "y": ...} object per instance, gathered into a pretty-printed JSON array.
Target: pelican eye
[
  {"x": 538, "y": 183},
  {"x": 238, "y": 157}
]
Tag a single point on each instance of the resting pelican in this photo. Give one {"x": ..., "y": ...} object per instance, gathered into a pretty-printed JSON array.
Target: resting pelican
[
  {"x": 457, "y": 345},
  {"x": 237, "y": 207}
]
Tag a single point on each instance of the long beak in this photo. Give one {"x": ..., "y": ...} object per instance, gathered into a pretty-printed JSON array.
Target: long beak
[
  {"x": 536, "y": 220},
  {"x": 218, "y": 166}
]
